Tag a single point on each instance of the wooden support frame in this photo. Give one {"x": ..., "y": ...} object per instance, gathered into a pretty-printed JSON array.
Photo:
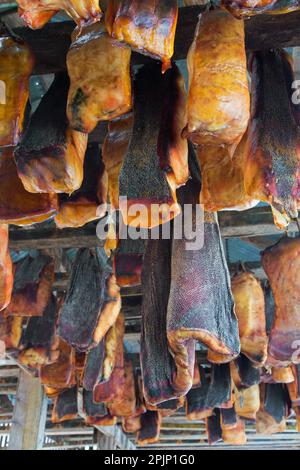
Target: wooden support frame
[{"x": 29, "y": 417}]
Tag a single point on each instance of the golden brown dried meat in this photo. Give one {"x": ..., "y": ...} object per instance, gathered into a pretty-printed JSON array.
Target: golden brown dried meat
[
  {"x": 99, "y": 70},
  {"x": 6, "y": 269},
  {"x": 246, "y": 8},
  {"x": 247, "y": 402},
  {"x": 50, "y": 155},
  {"x": 243, "y": 373},
  {"x": 146, "y": 25},
  {"x": 61, "y": 373},
  {"x": 19, "y": 207},
  {"x": 218, "y": 98},
  {"x": 92, "y": 304},
  {"x": 36, "y": 13},
  {"x": 250, "y": 310},
  {"x": 33, "y": 280},
  {"x": 11, "y": 331},
  {"x": 273, "y": 164},
  {"x": 294, "y": 387},
  {"x": 150, "y": 428},
  {"x": 126, "y": 406},
  {"x": 88, "y": 203},
  {"x": 281, "y": 263},
  {"x": 235, "y": 435},
  {"x": 16, "y": 64},
  {"x": 282, "y": 375}
]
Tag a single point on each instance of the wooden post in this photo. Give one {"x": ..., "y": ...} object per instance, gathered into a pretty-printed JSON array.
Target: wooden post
[{"x": 29, "y": 417}]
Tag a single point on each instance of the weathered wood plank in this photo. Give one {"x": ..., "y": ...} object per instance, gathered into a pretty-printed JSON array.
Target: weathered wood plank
[
  {"x": 51, "y": 43},
  {"x": 29, "y": 418}
]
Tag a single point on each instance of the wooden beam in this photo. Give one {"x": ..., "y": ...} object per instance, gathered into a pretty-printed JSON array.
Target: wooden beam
[
  {"x": 29, "y": 417},
  {"x": 50, "y": 44}
]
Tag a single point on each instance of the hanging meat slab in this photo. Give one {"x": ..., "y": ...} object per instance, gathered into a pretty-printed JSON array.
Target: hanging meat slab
[
  {"x": 114, "y": 151},
  {"x": 65, "y": 406},
  {"x": 16, "y": 64},
  {"x": 60, "y": 374},
  {"x": 223, "y": 177},
  {"x": 269, "y": 307},
  {"x": 229, "y": 418},
  {"x": 126, "y": 406},
  {"x": 148, "y": 26},
  {"x": 273, "y": 164},
  {"x": 93, "y": 368},
  {"x": 235, "y": 435},
  {"x": 266, "y": 424},
  {"x": 218, "y": 98},
  {"x": 246, "y": 8},
  {"x": 92, "y": 303},
  {"x": 274, "y": 400},
  {"x": 129, "y": 269},
  {"x": 131, "y": 424},
  {"x": 219, "y": 394},
  {"x": 247, "y": 402},
  {"x": 36, "y": 13},
  {"x": 148, "y": 179},
  {"x": 200, "y": 303},
  {"x": 11, "y": 331},
  {"x": 282, "y": 375},
  {"x": 294, "y": 387},
  {"x": 281, "y": 263},
  {"x": 38, "y": 345},
  {"x": 99, "y": 70},
  {"x": 150, "y": 428},
  {"x": 33, "y": 280},
  {"x": 6, "y": 269},
  {"x": 167, "y": 408},
  {"x": 111, "y": 388},
  {"x": 243, "y": 373},
  {"x": 94, "y": 413},
  {"x": 213, "y": 427},
  {"x": 50, "y": 155},
  {"x": 196, "y": 399},
  {"x": 19, "y": 207},
  {"x": 250, "y": 310},
  {"x": 88, "y": 203}
]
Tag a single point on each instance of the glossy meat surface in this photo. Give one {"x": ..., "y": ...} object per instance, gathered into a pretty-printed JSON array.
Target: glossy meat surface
[
  {"x": 61, "y": 373},
  {"x": 100, "y": 82},
  {"x": 6, "y": 269},
  {"x": 146, "y": 25}
]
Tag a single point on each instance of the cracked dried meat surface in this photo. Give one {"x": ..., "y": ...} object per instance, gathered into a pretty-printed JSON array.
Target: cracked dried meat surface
[
  {"x": 16, "y": 64},
  {"x": 218, "y": 98},
  {"x": 36, "y": 13},
  {"x": 50, "y": 155},
  {"x": 281, "y": 263},
  {"x": 272, "y": 168},
  {"x": 250, "y": 310},
  {"x": 100, "y": 81},
  {"x": 148, "y": 26},
  {"x": 33, "y": 281}
]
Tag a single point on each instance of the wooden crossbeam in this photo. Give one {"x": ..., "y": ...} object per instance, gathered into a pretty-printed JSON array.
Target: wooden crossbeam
[{"x": 51, "y": 43}]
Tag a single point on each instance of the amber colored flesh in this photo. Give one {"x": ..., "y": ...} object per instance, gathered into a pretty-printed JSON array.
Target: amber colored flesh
[{"x": 6, "y": 270}]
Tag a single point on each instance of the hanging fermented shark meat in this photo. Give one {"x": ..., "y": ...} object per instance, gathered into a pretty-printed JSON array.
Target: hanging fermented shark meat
[
  {"x": 129, "y": 262},
  {"x": 202, "y": 308},
  {"x": 65, "y": 406},
  {"x": 218, "y": 98},
  {"x": 33, "y": 280},
  {"x": 36, "y": 13},
  {"x": 243, "y": 373},
  {"x": 50, "y": 155},
  {"x": 281, "y": 263},
  {"x": 89, "y": 202},
  {"x": 282, "y": 375},
  {"x": 114, "y": 151},
  {"x": 266, "y": 424},
  {"x": 270, "y": 418},
  {"x": 125, "y": 407},
  {"x": 213, "y": 427},
  {"x": 11, "y": 331},
  {"x": 38, "y": 343},
  {"x": 216, "y": 358},
  {"x": 94, "y": 366},
  {"x": 294, "y": 387},
  {"x": 16, "y": 64},
  {"x": 91, "y": 309},
  {"x": 269, "y": 307},
  {"x": 112, "y": 388},
  {"x": 246, "y": 8},
  {"x": 219, "y": 394},
  {"x": 151, "y": 170},
  {"x": 99, "y": 70},
  {"x": 235, "y": 435},
  {"x": 92, "y": 411},
  {"x": 273, "y": 164},
  {"x": 6, "y": 269},
  {"x": 147, "y": 26},
  {"x": 131, "y": 424},
  {"x": 229, "y": 418},
  {"x": 250, "y": 310},
  {"x": 60, "y": 374},
  {"x": 223, "y": 178},
  {"x": 150, "y": 428},
  {"x": 19, "y": 207},
  {"x": 247, "y": 402},
  {"x": 196, "y": 400},
  {"x": 167, "y": 408}
]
